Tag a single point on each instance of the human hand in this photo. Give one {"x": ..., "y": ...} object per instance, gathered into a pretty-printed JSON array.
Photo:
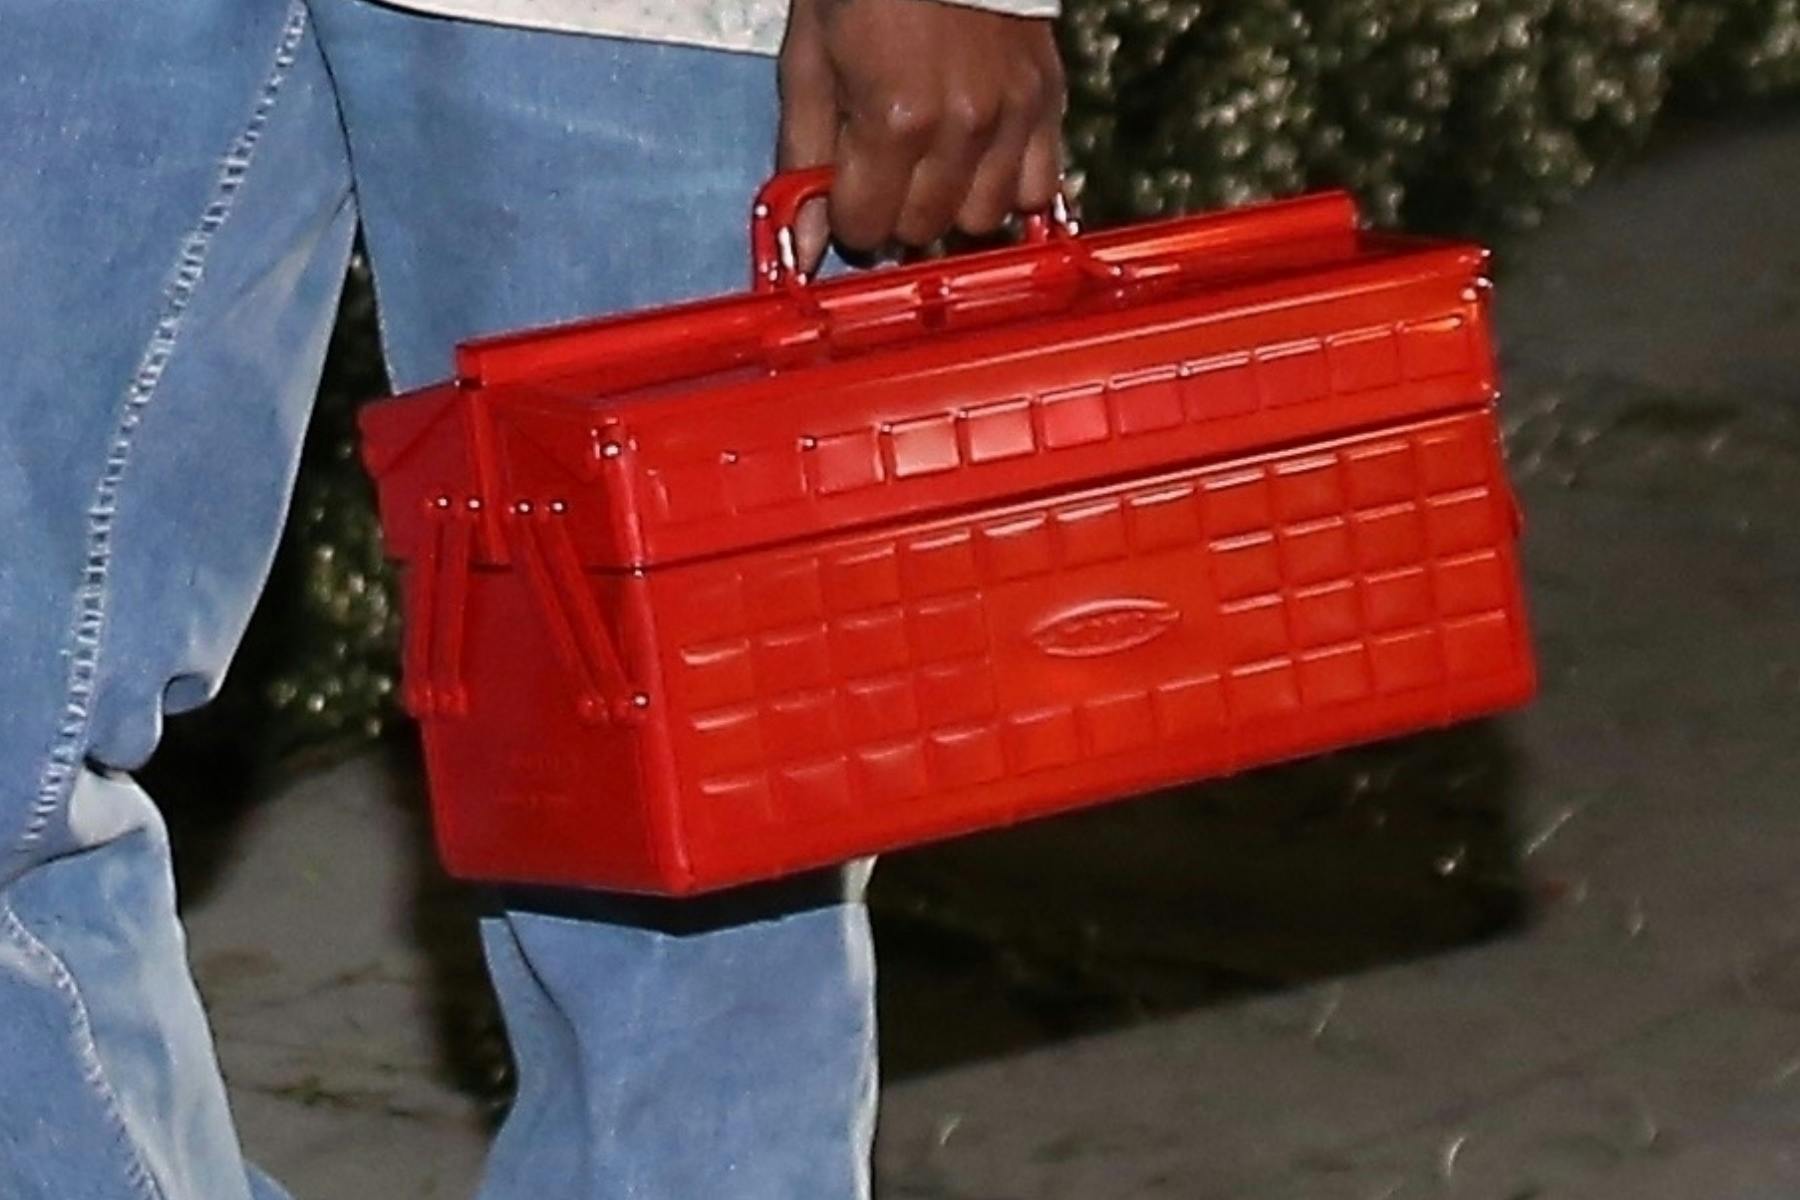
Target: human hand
[{"x": 935, "y": 115}]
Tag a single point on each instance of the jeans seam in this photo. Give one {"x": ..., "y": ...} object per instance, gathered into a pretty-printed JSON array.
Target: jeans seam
[
  {"x": 93, "y": 1071},
  {"x": 87, "y": 626}
]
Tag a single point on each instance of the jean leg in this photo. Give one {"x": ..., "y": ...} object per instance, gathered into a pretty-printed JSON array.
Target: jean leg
[
  {"x": 713, "y": 1047},
  {"x": 174, "y": 224},
  {"x": 722, "y": 1048},
  {"x": 510, "y": 177}
]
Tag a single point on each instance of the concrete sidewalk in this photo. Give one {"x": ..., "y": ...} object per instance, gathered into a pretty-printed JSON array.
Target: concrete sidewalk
[{"x": 1218, "y": 996}]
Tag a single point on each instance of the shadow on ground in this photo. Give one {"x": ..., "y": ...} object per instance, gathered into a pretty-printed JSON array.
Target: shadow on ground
[{"x": 1071, "y": 926}]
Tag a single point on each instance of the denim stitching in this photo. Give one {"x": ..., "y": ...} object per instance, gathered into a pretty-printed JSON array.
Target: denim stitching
[
  {"x": 89, "y": 621},
  {"x": 92, "y": 1070}
]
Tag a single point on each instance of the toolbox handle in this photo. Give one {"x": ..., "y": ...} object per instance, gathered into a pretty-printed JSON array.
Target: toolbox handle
[
  {"x": 737, "y": 327},
  {"x": 774, "y": 261}
]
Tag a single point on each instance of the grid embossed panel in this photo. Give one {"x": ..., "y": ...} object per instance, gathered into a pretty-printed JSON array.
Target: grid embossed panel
[
  {"x": 1142, "y": 401},
  {"x": 891, "y": 669}
]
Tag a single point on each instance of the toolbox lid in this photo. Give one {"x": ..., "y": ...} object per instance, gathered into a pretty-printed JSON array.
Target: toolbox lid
[{"x": 779, "y": 414}]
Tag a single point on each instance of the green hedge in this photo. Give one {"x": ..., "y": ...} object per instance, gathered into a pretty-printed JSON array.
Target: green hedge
[
  {"x": 1440, "y": 113},
  {"x": 1433, "y": 111}
]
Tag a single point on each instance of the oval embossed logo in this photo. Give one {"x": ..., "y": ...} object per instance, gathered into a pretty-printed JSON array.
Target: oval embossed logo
[{"x": 1104, "y": 627}]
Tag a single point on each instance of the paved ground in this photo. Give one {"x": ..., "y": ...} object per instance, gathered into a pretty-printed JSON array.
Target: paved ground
[{"x": 1554, "y": 957}]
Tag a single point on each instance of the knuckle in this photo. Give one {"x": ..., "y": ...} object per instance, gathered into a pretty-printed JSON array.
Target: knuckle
[
  {"x": 856, "y": 231},
  {"x": 920, "y": 225},
  {"x": 858, "y": 239},
  {"x": 972, "y": 115},
  {"x": 860, "y": 224},
  {"x": 910, "y": 122}
]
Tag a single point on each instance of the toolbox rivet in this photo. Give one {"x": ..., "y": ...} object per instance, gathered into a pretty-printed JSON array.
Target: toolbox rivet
[
  {"x": 611, "y": 450},
  {"x": 474, "y": 503},
  {"x": 523, "y": 506},
  {"x": 809, "y": 442},
  {"x": 640, "y": 699},
  {"x": 442, "y": 502},
  {"x": 557, "y": 506},
  {"x": 730, "y": 456}
]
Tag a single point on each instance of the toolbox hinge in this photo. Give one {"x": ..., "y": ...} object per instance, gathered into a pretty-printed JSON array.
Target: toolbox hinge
[
  {"x": 431, "y": 658},
  {"x": 545, "y": 555},
  {"x": 436, "y": 630}
]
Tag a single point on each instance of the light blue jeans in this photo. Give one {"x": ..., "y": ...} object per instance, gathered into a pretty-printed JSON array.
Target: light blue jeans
[{"x": 181, "y": 182}]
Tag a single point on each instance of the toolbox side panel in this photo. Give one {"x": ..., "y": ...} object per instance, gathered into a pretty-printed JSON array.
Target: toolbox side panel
[
  {"x": 879, "y": 689},
  {"x": 414, "y": 449},
  {"x": 525, "y": 786}
]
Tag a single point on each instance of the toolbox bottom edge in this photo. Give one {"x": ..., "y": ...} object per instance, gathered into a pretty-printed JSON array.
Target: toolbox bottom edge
[{"x": 712, "y": 864}]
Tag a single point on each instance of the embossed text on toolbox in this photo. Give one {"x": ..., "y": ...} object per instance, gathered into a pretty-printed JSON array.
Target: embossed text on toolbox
[{"x": 1103, "y": 627}]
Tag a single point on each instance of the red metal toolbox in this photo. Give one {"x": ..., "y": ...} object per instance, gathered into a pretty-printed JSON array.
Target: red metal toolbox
[{"x": 726, "y": 590}]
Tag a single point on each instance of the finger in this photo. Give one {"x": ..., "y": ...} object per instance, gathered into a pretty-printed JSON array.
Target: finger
[
  {"x": 1041, "y": 166},
  {"x": 940, "y": 183},
  {"x": 993, "y": 191},
  {"x": 1041, "y": 169},
  {"x": 808, "y": 137},
  {"x": 875, "y": 163}
]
